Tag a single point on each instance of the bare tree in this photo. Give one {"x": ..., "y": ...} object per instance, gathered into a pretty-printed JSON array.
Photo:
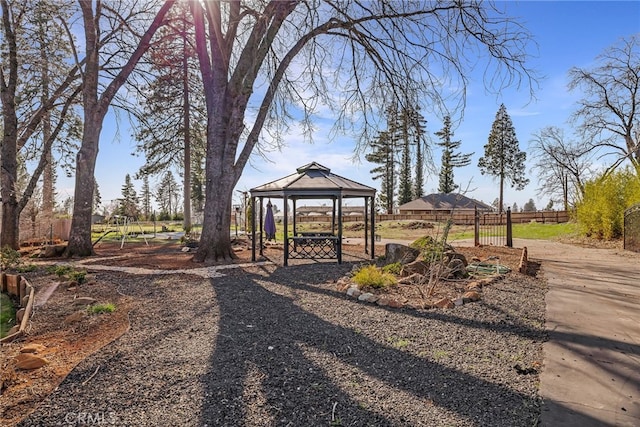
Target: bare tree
[
  {"x": 608, "y": 114},
  {"x": 37, "y": 90},
  {"x": 349, "y": 55},
  {"x": 95, "y": 104},
  {"x": 562, "y": 165}
]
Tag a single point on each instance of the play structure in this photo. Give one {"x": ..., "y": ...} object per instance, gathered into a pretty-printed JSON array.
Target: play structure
[{"x": 122, "y": 224}]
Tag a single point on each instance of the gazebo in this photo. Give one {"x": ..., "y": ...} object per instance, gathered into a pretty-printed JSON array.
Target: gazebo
[{"x": 314, "y": 181}]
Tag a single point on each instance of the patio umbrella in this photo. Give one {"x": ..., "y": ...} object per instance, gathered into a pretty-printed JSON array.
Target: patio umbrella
[{"x": 270, "y": 223}]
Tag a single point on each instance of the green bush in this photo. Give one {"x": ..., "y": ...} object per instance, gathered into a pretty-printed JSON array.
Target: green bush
[
  {"x": 600, "y": 213},
  {"x": 374, "y": 277},
  {"x": 9, "y": 258},
  {"x": 432, "y": 250},
  {"x": 394, "y": 268},
  {"x": 101, "y": 308}
]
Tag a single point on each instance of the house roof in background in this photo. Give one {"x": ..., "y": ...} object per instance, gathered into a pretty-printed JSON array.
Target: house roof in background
[{"x": 444, "y": 201}]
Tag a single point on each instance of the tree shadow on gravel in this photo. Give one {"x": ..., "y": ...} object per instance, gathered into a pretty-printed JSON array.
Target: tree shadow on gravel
[{"x": 261, "y": 372}]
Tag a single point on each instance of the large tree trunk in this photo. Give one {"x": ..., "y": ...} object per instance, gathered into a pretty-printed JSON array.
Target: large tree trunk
[
  {"x": 80, "y": 238},
  {"x": 187, "y": 140},
  {"x": 95, "y": 109},
  {"x": 8, "y": 151}
]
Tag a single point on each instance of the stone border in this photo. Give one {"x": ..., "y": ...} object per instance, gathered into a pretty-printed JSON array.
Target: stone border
[
  {"x": 473, "y": 293},
  {"x": 17, "y": 286}
]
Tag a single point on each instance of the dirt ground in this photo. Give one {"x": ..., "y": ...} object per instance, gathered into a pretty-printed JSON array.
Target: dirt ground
[{"x": 70, "y": 334}]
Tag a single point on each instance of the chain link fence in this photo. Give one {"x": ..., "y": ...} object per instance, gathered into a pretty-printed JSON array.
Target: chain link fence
[{"x": 632, "y": 228}]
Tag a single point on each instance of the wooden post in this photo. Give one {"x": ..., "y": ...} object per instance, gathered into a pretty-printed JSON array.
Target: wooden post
[{"x": 509, "y": 229}]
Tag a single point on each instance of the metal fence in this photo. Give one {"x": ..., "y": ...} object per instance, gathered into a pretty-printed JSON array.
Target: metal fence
[
  {"x": 493, "y": 229},
  {"x": 632, "y": 228}
]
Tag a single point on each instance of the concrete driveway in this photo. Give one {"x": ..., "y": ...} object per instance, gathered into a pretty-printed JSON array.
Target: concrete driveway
[{"x": 591, "y": 374}]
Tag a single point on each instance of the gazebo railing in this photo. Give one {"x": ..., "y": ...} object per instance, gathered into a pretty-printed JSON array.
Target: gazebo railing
[{"x": 313, "y": 246}]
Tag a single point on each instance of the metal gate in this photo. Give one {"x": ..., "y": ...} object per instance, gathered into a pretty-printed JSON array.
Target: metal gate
[
  {"x": 493, "y": 229},
  {"x": 632, "y": 228}
]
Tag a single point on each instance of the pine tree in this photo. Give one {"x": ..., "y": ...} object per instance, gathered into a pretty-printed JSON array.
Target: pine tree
[
  {"x": 129, "y": 202},
  {"x": 404, "y": 182},
  {"x": 450, "y": 159},
  {"x": 383, "y": 154},
  {"x": 502, "y": 156},
  {"x": 419, "y": 126},
  {"x": 166, "y": 193},
  {"x": 97, "y": 199},
  {"x": 146, "y": 197}
]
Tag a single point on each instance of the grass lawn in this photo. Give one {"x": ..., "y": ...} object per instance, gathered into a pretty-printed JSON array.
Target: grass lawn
[{"x": 7, "y": 315}]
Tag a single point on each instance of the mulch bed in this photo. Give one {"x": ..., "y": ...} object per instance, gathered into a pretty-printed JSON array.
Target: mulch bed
[{"x": 273, "y": 345}]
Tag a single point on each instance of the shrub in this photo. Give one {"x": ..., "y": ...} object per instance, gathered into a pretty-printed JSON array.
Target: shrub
[
  {"x": 394, "y": 268},
  {"x": 431, "y": 249},
  {"x": 9, "y": 258},
  {"x": 600, "y": 213},
  {"x": 77, "y": 275},
  {"x": 374, "y": 277},
  {"x": 101, "y": 308}
]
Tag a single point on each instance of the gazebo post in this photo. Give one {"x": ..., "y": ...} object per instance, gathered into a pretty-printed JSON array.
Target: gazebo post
[
  {"x": 366, "y": 225},
  {"x": 261, "y": 225},
  {"x": 253, "y": 228},
  {"x": 339, "y": 228},
  {"x": 293, "y": 200},
  {"x": 286, "y": 226},
  {"x": 333, "y": 216},
  {"x": 372, "y": 208}
]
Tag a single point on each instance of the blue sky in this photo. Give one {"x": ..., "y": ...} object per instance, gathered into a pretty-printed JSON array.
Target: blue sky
[{"x": 568, "y": 33}]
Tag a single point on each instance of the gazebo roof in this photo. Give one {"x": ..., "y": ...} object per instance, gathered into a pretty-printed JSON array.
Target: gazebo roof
[{"x": 313, "y": 181}]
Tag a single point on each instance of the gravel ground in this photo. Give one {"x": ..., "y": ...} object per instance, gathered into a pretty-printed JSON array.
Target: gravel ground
[{"x": 280, "y": 346}]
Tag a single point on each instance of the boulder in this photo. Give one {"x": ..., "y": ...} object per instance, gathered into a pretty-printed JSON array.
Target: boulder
[
  {"x": 471, "y": 296},
  {"x": 451, "y": 255},
  {"x": 457, "y": 269},
  {"x": 33, "y": 348},
  {"x": 52, "y": 251},
  {"x": 444, "y": 303},
  {"x": 29, "y": 361},
  {"x": 416, "y": 267},
  {"x": 395, "y": 252}
]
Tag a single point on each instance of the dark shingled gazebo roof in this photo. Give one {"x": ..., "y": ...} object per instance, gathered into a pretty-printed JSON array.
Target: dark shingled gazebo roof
[{"x": 314, "y": 181}]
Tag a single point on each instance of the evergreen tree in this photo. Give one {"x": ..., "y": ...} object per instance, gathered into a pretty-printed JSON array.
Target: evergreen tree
[
  {"x": 129, "y": 202},
  {"x": 530, "y": 206},
  {"x": 383, "y": 155},
  {"x": 419, "y": 126},
  {"x": 166, "y": 194},
  {"x": 450, "y": 159},
  {"x": 97, "y": 199},
  {"x": 146, "y": 197},
  {"x": 502, "y": 156},
  {"x": 404, "y": 182}
]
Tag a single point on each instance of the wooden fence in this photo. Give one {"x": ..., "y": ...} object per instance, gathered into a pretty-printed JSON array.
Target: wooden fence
[{"x": 544, "y": 217}]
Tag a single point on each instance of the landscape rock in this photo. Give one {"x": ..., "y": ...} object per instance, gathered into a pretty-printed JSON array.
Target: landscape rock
[
  {"x": 395, "y": 252},
  {"x": 415, "y": 267},
  {"x": 29, "y": 361},
  {"x": 33, "y": 348},
  {"x": 471, "y": 296},
  {"x": 451, "y": 255},
  {"x": 394, "y": 303},
  {"x": 353, "y": 291},
  {"x": 185, "y": 249},
  {"x": 52, "y": 251},
  {"x": 458, "y": 302},
  {"x": 13, "y": 330},
  {"x": 383, "y": 301},
  {"x": 457, "y": 269},
  {"x": 367, "y": 297},
  {"x": 444, "y": 303}
]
